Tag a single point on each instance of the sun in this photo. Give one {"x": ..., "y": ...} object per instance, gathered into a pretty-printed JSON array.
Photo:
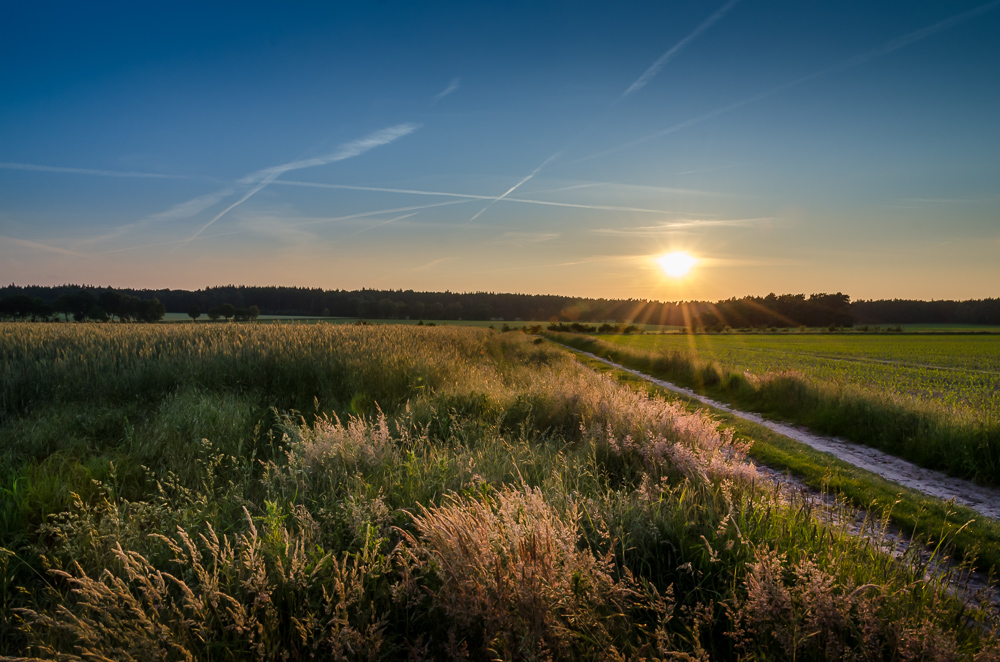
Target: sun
[{"x": 676, "y": 264}]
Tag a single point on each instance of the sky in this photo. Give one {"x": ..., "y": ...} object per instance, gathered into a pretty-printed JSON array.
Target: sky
[{"x": 535, "y": 147}]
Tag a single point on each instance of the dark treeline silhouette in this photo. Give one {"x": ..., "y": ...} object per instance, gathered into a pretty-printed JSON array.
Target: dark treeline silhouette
[
  {"x": 773, "y": 310},
  {"x": 904, "y": 311},
  {"x": 98, "y": 305}
]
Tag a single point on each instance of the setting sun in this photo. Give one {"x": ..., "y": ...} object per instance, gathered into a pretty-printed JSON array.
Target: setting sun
[{"x": 676, "y": 264}]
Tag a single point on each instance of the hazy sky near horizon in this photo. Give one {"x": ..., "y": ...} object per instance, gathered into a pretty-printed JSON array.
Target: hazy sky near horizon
[{"x": 540, "y": 147}]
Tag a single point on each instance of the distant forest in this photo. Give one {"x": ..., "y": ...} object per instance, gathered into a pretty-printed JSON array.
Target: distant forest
[{"x": 784, "y": 310}]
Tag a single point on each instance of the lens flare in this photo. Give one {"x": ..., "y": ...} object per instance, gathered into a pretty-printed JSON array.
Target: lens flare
[{"x": 676, "y": 264}]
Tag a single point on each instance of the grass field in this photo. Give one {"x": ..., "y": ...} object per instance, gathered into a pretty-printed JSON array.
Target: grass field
[
  {"x": 950, "y": 328},
  {"x": 960, "y": 373},
  {"x": 976, "y": 538},
  {"x": 279, "y": 491},
  {"x": 944, "y": 417},
  {"x": 312, "y": 319}
]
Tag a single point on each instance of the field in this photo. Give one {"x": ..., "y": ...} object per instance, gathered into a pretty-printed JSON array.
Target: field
[
  {"x": 933, "y": 400},
  {"x": 312, "y": 319},
  {"x": 262, "y": 491},
  {"x": 958, "y": 372}
]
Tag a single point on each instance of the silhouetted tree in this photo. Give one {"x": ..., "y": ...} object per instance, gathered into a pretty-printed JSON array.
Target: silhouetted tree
[
  {"x": 435, "y": 311},
  {"x": 150, "y": 310},
  {"x": 247, "y": 314},
  {"x": 194, "y": 313},
  {"x": 386, "y": 309},
  {"x": 227, "y": 310},
  {"x": 83, "y": 301},
  {"x": 44, "y": 311},
  {"x": 64, "y": 305},
  {"x": 111, "y": 302},
  {"x": 481, "y": 311},
  {"x": 18, "y": 306}
]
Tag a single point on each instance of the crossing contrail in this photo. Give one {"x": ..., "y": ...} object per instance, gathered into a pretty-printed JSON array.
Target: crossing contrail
[
  {"x": 843, "y": 65},
  {"x": 262, "y": 178},
  {"x": 654, "y": 68}
]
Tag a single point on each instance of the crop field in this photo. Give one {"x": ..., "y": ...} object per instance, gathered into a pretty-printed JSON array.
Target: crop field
[
  {"x": 274, "y": 492},
  {"x": 950, "y": 328},
  {"x": 958, "y": 372},
  {"x": 933, "y": 400}
]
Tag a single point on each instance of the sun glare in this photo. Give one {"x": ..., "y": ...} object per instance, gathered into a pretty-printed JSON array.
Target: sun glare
[{"x": 676, "y": 264}]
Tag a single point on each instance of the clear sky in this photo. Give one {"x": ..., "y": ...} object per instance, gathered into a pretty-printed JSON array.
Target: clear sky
[{"x": 541, "y": 147}]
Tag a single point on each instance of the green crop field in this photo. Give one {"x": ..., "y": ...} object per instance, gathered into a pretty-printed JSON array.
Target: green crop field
[
  {"x": 293, "y": 491},
  {"x": 958, "y": 372},
  {"x": 932, "y": 399}
]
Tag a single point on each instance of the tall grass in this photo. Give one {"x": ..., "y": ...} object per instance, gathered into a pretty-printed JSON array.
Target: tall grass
[
  {"x": 929, "y": 436},
  {"x": 498, "y": 502}
]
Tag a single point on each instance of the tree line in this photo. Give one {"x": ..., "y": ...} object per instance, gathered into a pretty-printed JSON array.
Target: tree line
[
  {"x": 82, "y": 305},
  {"x": 905, "y": 311},
  {"x": 773, "y": 310},
  {"x": 226, "y": 310}
]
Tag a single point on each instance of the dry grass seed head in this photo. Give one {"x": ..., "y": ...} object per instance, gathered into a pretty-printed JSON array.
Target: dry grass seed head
[{"x": 511, "y": 568}]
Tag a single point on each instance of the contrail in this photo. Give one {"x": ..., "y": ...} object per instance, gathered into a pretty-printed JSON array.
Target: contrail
[
  {"x": 654, "y": 68},
  {"x": 377, "y": 213},
  {"x": 386, "y": 222},
  {"x": 88, "y": 171},
  {"x": 844, "y": 65},
  {"x": 433, "y": 263},
  {"x": 192, "y": 207},
  {"x": 571, "y": 188},
  {"x": 377, "y": 189},
  {"x": 501, "y": 197},
  {"x": 515, "y": 186},
  {"x": 41, "y": 247},
  {"x": 656, "y": 230},
  {"x": 262, "y": 178},
  {"x": 162, "y": 243},
  {"x": 595, "y": 207},
  {"x": 452, "y": 86},
  {"x": 186, "y": 209},
  {"x": 586, "y": 260},
  {"x": 638, "y": 84},
  {"x": 466, "y": 197}
]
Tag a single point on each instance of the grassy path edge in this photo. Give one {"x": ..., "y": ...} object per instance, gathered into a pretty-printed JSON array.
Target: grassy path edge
[
  {"x": 961, "y": 446},
  {"x": 972, "y": 536}
]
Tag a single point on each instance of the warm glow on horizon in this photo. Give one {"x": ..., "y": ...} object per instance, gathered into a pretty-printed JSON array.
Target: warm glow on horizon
[
  {"x": 615, "y": 157},
  {"x": 677, "y": 264}
]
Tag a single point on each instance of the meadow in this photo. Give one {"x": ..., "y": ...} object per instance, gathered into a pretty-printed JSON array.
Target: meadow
[{"x": 262, "y": 491}]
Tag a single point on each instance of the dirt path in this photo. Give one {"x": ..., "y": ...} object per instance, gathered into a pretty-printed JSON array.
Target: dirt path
[
  {"x": 971, "y": 586},
  {"x": 984, "y": 500}
]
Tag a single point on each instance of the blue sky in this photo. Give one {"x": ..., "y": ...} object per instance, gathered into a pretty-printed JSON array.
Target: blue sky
[{"x": 545, "y": 147}]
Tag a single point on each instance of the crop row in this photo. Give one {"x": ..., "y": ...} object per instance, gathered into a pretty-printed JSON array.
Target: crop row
[{"x": 960, "y": 374}]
